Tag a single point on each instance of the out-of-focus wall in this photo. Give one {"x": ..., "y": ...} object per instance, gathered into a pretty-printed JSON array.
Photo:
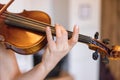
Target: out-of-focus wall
[{"x": 86, "y": 14}]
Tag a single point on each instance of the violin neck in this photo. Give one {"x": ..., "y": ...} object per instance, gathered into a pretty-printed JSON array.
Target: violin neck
[
  {"x": 81, "y": 38},
  {"x": 39, "y": 27}
]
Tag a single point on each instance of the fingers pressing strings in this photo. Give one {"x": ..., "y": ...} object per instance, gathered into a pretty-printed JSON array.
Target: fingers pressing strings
[
  {"x": 49, "y": 37},
  {"x": 65, "y": 35},
  {"x": 62, "y": 36},
  {"x": 58, "y": 34},
  {"x": 75, "y": 36}
]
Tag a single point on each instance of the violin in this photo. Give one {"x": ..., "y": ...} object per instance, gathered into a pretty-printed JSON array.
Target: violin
[{"x": 24, "y": 33}]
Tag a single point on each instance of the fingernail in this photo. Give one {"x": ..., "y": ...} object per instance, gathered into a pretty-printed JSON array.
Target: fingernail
[
  {"x": 56, "y": 24},
  {"x": 76, "y": 26},
  {"x": 48, "y": 28}
]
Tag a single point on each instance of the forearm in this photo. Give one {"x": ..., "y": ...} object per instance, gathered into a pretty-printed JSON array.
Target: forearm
[{"x": 39, "y": 72}]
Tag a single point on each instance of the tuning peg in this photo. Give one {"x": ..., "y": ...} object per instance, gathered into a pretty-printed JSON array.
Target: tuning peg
[
  {"x": 106, "y": 41},
  {"x": 95, "y": 55},
  {"x": 96, "y": 35},
  {"x": 105, "y": 60}
]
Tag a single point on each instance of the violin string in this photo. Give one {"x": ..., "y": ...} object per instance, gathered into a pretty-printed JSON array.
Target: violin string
[
  {"x": 31, "y": 21},
  {"x": 41, "y": 25},
  {"x": 82, "y": 38},
  {"x": 27, "y": 19},
  {"x": 25, "y": 25}
]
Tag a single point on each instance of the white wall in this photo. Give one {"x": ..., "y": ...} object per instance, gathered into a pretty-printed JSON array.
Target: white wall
[
  {"x": 82, "y": 66},
  {"x": 86, "y": 14},
  {"x": 19, "y": 5}
]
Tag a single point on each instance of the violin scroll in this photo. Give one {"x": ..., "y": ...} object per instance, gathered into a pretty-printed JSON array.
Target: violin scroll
[{"x": 105, "y": 52}]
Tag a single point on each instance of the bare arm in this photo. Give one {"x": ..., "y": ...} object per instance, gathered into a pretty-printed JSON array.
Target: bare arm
[{"x": 8, "y": 65}]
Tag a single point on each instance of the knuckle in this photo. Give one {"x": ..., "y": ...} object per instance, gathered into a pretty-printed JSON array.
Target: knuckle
[
  {"x": 58, "y": 36},
  {"x": 65, "y": 33},
  {"x": 74, "y": 40}
]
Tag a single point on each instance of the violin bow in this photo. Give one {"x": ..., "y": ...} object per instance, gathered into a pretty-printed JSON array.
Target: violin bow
[{"x": 6, "y": 6}]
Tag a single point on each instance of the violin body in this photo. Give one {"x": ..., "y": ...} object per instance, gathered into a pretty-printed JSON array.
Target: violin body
[{"x": 23, "y": 41}]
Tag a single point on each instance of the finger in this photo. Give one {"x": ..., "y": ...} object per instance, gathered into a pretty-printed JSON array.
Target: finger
[
  {"x": 49, "y": 36},
  {"x": 64, "y": 35},
  {"x": 58, "y": 34},
  {"x": 75, "y": 36}
]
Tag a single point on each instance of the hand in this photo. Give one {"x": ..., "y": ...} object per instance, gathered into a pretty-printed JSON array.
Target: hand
[{"x": 56, "y": 50}]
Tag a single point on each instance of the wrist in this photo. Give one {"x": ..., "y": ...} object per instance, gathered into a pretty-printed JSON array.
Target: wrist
[{"x": 47, "y": 66}]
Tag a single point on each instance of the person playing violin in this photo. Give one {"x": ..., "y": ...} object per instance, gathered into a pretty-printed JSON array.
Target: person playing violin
[{"x": 54, "y": 52}]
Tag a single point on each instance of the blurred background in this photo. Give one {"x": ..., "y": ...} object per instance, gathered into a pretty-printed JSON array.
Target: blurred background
[{"x": 92, "y": 16}]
